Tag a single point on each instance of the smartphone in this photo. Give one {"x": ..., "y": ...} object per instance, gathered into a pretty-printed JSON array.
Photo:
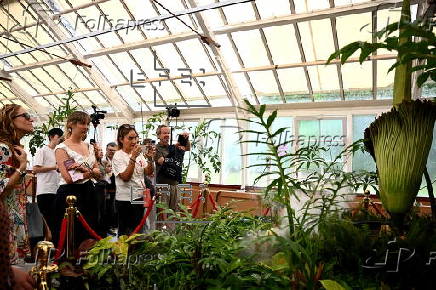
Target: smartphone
[
  {"x": 182, "y": 140},
  {"x": 143, "y": 149}
]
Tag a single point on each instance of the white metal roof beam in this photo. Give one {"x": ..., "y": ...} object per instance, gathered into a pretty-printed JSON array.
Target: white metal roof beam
[
  {"x": 25, "y": 97},
  {"x": 250, "y": 25},
  {"x": 268, "y": 53},
  {"x": 301, "y": 49},
  {"x": 243, "y": 70},
  {"x": 336, "y": 44},
  {"x": 113, "y": 97},
  {"x": 235, "y": 96}
]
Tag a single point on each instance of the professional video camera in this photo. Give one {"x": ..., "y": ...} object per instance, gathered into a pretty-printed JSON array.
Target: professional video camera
[
  {"x": 173, "y": 112},
  {"x": 97, "y": 116}
]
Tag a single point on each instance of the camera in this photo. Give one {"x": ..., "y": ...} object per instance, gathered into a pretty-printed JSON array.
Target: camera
[
  {"x": 182, "y": 140},
  {"x": 97, "y": 116},
  {"x": 173, "y": 112}
]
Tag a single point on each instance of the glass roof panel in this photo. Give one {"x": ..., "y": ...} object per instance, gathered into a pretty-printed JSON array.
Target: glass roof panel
[
  {"x": 351, "y": 28},
  {"x": 96, "y": 97},
  {"x": 385, "y": 79},
  {"x": 104, "y": 65},
  {"x": 293, "y": 80},
  {"x": 323, "y": 78},
  {"x": 304, "y": 6},
  {"x": 228, "y": 52},
  {"x": 24, "y": 85},
  {"x": 251, "y": 48},
  {"x": 170, "y": 59},
  {"x": 42, "y": 102},
  {"x": 213, "y": 17},
  {"x": 195, "y": 56},
  {"x": 266, "y": 10},
  {"x": 358, "y": 78},
  {"x": 264, "y": 83},
  {"x": 283, "y": 45},
  {"x": 239, "y": 13},
  {"x": 314, "y": 33}
]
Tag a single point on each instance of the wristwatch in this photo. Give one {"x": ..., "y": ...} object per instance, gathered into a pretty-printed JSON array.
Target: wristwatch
[{"x": 22, "y": 173}]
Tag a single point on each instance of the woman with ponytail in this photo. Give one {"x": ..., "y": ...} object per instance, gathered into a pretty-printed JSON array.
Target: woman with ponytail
[{"x": 77, "y": 166}]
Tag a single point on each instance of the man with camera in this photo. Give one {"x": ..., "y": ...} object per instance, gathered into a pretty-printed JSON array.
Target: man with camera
[{"x": 169, "y": 162}]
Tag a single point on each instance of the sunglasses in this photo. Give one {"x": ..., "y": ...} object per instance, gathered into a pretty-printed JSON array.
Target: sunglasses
[
  {"x": 27, "y": 116},
  {"x": 127, "y": 126}
]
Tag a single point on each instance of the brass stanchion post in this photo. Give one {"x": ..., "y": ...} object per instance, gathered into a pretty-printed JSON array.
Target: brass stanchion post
[
  {"x": 42, "y": 268},
  {"x": 71, "y": 215}
]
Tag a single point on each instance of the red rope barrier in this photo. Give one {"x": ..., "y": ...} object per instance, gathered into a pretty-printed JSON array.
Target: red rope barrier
[
  {"x": 195, "y": 205},
  {"x": 266, "y": 211},
  {"x": 62, "y": 236},
  {"x": 87, "y": 227},
  {"x": 213, "y": 202},
  {"x": 144, "y": 218}
]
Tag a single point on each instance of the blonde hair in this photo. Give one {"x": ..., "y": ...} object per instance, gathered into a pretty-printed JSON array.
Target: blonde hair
[
  {"x": 74, "y": 118},
  {"x": 8, "y": 133}
]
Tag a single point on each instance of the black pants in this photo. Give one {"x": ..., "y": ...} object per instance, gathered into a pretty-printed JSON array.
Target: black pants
[
  {"x": 111, "y": 216},
  {"x": 46, "y": 205},
  {"x": 100, "y": 201},
  {"x": 129, "y": 216},
  {"x": 85, "y": 194}
]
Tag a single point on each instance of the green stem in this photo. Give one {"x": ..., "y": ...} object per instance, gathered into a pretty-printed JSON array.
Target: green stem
[{"x": 403, "y": 72}]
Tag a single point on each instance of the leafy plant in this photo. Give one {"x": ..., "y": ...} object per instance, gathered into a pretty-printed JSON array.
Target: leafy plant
[
  {"x": 308, "y": 177},
  {"x": 400, "y": 140},
  {"x": 423, "y": 50},
  {"x": 203, "y": 153},
  {"x": 55, "y": 119}
]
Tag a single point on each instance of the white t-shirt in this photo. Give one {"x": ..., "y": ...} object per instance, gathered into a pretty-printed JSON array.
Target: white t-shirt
[
  {"x": 90, "y": 159},
  {"x": 47, "y": 182},
  {"x": 135, "y": 186}
]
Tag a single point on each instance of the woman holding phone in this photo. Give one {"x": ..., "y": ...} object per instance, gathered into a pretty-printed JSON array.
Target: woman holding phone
[
  {"x": 15, "y": 123},
  {"x": 77, "y": 165},
  {"x": 130, "y": 167}
]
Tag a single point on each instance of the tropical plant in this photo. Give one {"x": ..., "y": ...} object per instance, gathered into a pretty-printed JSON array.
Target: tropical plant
[
  {"x": 400, "y": 140},
  {"x": 309, "y": 177},
  {"x": 55, "y": 119}
]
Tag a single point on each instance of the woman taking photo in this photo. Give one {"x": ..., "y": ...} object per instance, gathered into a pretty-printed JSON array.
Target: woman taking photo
[
  {"x": 15, "y": 123},
  {"x": 130, "y": 167},
  {"x": 77, "y": 165}
]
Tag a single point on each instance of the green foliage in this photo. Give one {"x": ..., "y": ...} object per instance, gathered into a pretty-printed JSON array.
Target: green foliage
[
  {"x": 55, "y": 119},
  {"x": 423, "y": 50},
  {"x": 195, "y": 256},
  {"x": 202, "y": 152},
  {"x": 307, "y": 177},
  {"x": 153, "y": 122}
]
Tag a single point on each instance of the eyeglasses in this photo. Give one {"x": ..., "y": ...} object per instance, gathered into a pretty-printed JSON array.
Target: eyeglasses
[
  {"x": 27, "y": 116},
  {"x": 127, "y": 126}
]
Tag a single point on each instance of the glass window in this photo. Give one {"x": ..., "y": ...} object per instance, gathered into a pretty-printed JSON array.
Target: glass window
[
  {"x": 231, "y": 157},
  {"x": 362, "y": 160},
  {"x": 328, "y": 133}
]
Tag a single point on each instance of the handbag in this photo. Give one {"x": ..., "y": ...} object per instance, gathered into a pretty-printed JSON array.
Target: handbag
[{"x": 35, "y": 220}]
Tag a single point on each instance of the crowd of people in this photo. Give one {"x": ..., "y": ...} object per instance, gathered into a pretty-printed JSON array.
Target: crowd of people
[{"x": 109, "y": 187}]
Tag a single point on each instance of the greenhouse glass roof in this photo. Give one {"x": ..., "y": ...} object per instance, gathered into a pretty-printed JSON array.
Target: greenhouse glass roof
[{"x": 126, "y": 56}]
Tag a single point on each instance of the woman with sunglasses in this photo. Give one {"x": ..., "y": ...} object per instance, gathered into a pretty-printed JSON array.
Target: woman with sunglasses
[
  {"x": 130, "y": 167},
  {"x": 15, "y": 123},
  {"x": 77, "y": 166}
]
